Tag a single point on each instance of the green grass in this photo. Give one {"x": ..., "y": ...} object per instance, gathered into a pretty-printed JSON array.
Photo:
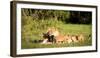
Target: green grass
[
  {"x": 75, "y": 28},
  {"x": 71, "y": 29},
  {"x": 30, "y": 45}
]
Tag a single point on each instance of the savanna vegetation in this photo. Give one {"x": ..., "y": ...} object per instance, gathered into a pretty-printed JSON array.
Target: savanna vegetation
[{"x": 36, "y": 21}]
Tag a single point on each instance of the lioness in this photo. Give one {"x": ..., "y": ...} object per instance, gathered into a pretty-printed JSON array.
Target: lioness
[
  {"x": 52, "y": 33},
  {"x": 56, "y": 36}
]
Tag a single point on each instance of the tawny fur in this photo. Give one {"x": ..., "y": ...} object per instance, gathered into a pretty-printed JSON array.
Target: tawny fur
[
  {"x": 53, "y": 31},
  {"x": 60, "y": 39},
  {"x": 74, "y": 38},
  {"x": 57, "y": 36},
  {"x": 68, "y": 39},
  {"x": 81, "y": 37}
]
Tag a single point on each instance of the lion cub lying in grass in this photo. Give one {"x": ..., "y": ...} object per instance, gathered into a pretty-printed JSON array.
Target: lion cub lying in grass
[{"x": 75, "y": 38}]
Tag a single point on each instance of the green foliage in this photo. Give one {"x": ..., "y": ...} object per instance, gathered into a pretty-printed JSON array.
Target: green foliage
[
  {"x": 34, "y": 28},
  {"x": 46, "y": 14}
]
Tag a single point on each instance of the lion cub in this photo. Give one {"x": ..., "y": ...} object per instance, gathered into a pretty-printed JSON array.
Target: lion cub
[
  {"x": 81, "y": 37},
  {"x": 75, "y": 38}
]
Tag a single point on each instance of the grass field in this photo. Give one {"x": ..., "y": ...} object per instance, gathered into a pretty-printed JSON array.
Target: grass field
[{"x": 71, "y": 29}]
